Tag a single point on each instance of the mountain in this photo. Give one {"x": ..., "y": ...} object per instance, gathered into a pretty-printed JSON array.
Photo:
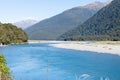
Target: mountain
[
  {"x": 25, "y": 23},
  {"x": 11, "y": 34},
  {"x": 95, "y": 5},
  {"x": 51, "y": 28},
  {"x": 104, "y": 25}
]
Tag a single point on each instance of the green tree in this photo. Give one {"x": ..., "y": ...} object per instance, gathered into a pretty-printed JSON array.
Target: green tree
[
  {"x": 3, "y": 67},
  {"x": 5, "y": 73},
  {"x": 11, "y": 34}
]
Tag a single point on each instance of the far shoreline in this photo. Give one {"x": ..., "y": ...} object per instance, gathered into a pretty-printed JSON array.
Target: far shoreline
[
  {"x": 43, "y": 41},
  {"x": 105, "y": 47}
]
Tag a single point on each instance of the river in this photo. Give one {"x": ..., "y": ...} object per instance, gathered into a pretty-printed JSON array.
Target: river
[{"x": 39, "y": 61}]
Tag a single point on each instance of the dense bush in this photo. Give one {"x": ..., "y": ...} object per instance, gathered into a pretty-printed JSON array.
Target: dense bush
[
  {"x": 5, "y": 73},
  {"x": 11, "y": 34}
]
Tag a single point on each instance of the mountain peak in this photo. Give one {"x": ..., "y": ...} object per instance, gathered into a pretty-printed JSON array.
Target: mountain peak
[
  {"x": 25, "y": 23},
  {"x": 96, "y": 5}
]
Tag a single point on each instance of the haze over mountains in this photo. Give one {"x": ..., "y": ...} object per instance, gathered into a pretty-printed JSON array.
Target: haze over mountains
[
  {"x": 104, "y": 25},
  {"x": 25, "y": 23},
  {"x": 52, "y": 28}
]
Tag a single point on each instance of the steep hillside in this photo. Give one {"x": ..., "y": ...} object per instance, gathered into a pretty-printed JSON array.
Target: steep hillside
[
  {"x": 11, "y": 34},
  {"x": 104, "y": 25},
  {"x": 55, "y": 26}
]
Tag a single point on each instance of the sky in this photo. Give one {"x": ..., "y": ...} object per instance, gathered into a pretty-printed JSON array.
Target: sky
[{"x": 16, "y": 10}]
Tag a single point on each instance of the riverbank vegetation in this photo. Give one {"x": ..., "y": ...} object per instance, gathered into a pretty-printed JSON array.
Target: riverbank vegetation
[
  {"x": 11, "y": 34},
  {"x": 4, "y": 70}
]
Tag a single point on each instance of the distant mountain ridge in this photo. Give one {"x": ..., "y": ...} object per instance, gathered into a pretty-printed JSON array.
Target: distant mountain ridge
[
  {"x": 51, "y": 28},
  {"x": 95, "y": 5},
  {"x": 104, "y": 25},
  {"x": 25, "y": 23}
]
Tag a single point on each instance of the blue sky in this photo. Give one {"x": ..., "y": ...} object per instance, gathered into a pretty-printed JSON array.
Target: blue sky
[{"x": 17, "y": 10}]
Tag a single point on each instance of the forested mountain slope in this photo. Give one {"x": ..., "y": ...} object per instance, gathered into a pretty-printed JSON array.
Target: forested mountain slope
[
  {"x": 104, "y": 25},
  {"x": 50, "y": 29}
]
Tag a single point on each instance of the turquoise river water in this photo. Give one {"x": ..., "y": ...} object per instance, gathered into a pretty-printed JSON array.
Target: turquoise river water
[{"x": 39, "y": 61}]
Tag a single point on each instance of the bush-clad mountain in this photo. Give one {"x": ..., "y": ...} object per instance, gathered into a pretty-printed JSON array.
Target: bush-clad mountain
[
  {"x": 104, "y": 25},
  {"x": 11, "y": 34},
  {"x": 50, "y": 29},
  {"x": 25, "y": 23}
]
